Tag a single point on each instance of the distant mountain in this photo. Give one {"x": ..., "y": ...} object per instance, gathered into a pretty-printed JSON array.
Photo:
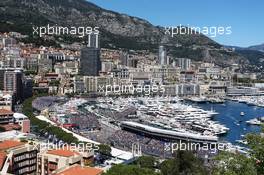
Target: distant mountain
[
  {"x": 235, "y": 47},
  {"x": 117, "y": 30},
  {"x": 259, "y": 47},
  {"x": 255, "y": 57},
  {"x": 22, "y": 14}
]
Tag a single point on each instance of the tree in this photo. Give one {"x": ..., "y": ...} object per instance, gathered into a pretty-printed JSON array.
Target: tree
[
  {"x": 146, "y": 162},
  {"x": 129, "y": 170},
  {"x": 105, "y": 149},
  {"x": 45, "y": 126},
  {"x": 256, "y": 145},
  {"x": 184, "y": 162},
  {"x": 169, "y": 167},
  {"x": 104, "y": 152},
  {"x": 233, "y": 164}
]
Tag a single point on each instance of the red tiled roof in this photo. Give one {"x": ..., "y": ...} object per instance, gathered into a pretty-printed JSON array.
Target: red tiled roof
[
  {"x": 81, "y": 171},
  {"x": 2, "y": 159},
  {"x": 6, "y": 144},
  {"x": 63, "y": 152}
]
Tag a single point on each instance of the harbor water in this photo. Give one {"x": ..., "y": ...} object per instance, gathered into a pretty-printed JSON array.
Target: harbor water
[{"x": 229, "y": 115}]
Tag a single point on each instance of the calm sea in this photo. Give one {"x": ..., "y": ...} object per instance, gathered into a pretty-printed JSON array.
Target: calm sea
[{"x": 229, "y": 115}]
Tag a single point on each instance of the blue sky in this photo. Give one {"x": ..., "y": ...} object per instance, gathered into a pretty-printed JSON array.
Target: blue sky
[{"x": 246, "y": 17}]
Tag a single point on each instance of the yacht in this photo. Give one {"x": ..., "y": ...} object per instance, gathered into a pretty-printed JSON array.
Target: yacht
[
  {"x": 212, "y": 112},
  {"x": 254, "y": 121},
  {"x": 162, "y": 112},
  {"x": 197, "y": 99}
]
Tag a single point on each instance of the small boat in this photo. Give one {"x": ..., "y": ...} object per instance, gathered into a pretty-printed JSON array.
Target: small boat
[
  {"x": 254, "y": 121},
  {"x": 242, "y": 113},
  {"x": 244, "y": 142}
]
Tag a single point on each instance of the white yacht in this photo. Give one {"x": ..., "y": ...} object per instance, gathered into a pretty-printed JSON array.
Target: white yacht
[{"x": 254, "y": 121}]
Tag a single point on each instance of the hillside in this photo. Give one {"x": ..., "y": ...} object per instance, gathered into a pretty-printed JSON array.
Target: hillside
[
  {"x": 259, "y": 47},
  {"x": 117, "y": 30}
]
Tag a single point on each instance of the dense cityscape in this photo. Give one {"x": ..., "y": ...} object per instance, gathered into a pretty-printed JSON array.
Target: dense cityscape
[{"x": 83, "y": 108}]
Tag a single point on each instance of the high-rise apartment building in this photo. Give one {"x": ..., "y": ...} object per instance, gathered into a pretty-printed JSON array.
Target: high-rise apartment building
[
  {"x": 13, "y": 81},
  {"x": 162, "y": 55},
  {"x": 90, "y": 63},
  {"x": 184, "y": 63},
  {"x": 18, "y": 158}
]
